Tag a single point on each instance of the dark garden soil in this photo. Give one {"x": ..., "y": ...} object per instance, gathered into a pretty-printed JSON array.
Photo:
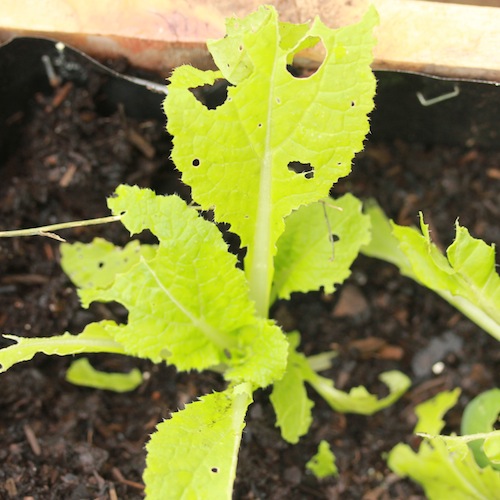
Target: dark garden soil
[{"x": 67, "y": 152}]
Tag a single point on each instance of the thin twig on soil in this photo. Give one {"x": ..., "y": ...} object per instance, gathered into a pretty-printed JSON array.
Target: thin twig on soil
[
  {"x": 47, "y": 230},
  {"x": 32, "y": 440},
  {"x": 119, "y": 477}
]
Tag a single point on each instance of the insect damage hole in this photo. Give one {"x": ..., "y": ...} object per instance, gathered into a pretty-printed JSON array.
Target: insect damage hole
[
  {"x": 215, "y": 470},
  {"x": 196, "y": 162},
  {"x": 305, "y": 169},
  {"x": 297, "y": 60},
  {"x": 212, "y": 96}
]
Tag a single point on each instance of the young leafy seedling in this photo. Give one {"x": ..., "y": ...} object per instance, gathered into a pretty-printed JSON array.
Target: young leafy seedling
[
  {"x": 465, "y": 276},
  {"x": 322, "y": 464},
  {"x": 188, "y": 302},
  {"x": 445, "y": 466}
]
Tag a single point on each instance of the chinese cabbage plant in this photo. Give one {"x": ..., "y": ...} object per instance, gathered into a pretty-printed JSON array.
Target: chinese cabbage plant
[
  {"x": 263, "y": 162},
  {"x": 188, "y": 302}
]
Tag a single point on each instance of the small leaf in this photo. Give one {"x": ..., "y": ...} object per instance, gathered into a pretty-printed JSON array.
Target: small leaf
[
  {"x": 359, "y": 400},
  {"x": 307, "y": 258},
  {"x": 289, "y": 397},
  {"x": 430, "y": 412},
  {"x": 322, "y": 465},
  {"x": 95, "y": 265},
  {"x": 81, "y": 372},
  {"x": 481, "y": 415},
  {"x": 194, "y": 454},
  {"x": 95, "y": 337}
]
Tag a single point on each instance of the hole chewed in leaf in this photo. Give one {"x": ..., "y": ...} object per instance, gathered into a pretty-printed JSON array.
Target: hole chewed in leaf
[
  {"x": 212, "y": 96},
  {"x": 301, "y": 168},
  {"x": 196, "y": 162},
  {"x": 297, "y": 58},
  {"x": 293, "y": 70},
  {"x": 234, "y": 243}
]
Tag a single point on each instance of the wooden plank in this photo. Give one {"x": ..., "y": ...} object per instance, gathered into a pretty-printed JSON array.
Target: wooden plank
[{"x": 448, "y": 40}]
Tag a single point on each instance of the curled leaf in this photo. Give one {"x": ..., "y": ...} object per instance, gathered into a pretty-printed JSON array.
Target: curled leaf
[{"x": 81, "y": 372}]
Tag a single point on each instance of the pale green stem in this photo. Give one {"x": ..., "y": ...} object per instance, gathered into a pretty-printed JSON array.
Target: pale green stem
[
  {"x": 261, "y": 260},
  {"x": 261, "y": 264},
  {"x": 391, "y": 253},
  {"x": 467, "y": 308},
  {"x": 473, "y": 312},
  {"x": 48, "y": 230},
  {"x": 467, "y": 438}
]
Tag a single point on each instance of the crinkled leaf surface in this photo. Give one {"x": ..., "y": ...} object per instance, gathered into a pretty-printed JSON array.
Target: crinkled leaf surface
[
  {"x": 95, "y": 265},
  {"x": 323, "y": 463},
  {"x": 307, "y": 259},
  {"x": 236, "y": 157},
  {"x": 81, "y": 372},
  {"x": 187, "y": 303},
  {"x": 193, "y": 455},
  {"x": 466, "y": 276},
  {"x": 289, "y": 396},
  {"x": 481, "y": 415},
  {"x": 96, "y": 337}
]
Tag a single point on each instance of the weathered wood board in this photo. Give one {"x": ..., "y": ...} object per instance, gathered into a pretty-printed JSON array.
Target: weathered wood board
[{"x": 441, "y": 39}]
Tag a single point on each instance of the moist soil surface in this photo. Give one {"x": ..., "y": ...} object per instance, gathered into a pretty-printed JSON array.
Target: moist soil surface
[{"x": 68, "y": 150}]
